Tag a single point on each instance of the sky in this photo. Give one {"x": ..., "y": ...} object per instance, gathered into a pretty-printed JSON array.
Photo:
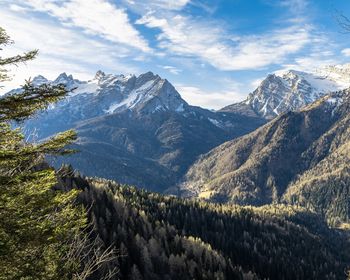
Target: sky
[{"x": 213, "y": 51}]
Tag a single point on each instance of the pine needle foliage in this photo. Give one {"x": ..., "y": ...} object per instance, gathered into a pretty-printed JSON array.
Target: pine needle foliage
[{"x": 37, "y": 222}]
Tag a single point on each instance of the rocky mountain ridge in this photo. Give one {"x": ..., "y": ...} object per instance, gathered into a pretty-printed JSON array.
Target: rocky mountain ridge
[{"x": 290, "y": 90}]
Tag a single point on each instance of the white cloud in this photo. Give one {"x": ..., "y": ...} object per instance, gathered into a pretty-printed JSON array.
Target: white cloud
[
  {"x": 309, "y": 63},
  {"x": 169, "y": 4},
  {"x": 96, "y": 17},
  {"x": 319, "y": 54},
  {"x": 171, "y": 69},
  {"x": 209, "y": 99},
  {"x": 183, "y": 36},
  {"x": 149, "y": 5},
  {"x": 295, "y": 6},
  {"x": 346, "y": 52},
  {"x": 60, "y": 50},
  {"x": 17, "y": 8}
]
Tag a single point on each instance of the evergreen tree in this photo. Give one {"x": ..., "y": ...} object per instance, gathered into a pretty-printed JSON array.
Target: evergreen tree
[{"x": 38, "y": 224}]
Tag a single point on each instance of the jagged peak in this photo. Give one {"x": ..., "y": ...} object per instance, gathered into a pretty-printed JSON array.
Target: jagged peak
[
  {"x": 39, "y": 77},
  {"x": 63, "y": 78},
  {"x": 148, "y": 76},
  {"x": 288, "y": 72},
  {"x": 99, "y": 75},
  {"x": 271, "y": 78},
  {"x": 39, "y": 80}
]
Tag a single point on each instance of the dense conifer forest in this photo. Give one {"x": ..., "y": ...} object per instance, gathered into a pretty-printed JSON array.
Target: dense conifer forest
[{"x": 164, "y": 237}]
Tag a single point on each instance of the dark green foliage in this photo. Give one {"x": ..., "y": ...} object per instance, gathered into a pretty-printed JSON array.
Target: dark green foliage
[
  {"x": 40, "y": 228},
  {"x": 162, "y": 237}
]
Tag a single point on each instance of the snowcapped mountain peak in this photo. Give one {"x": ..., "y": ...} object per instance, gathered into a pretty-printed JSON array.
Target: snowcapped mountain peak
[
  {"x": 39, "y": 80},
  {"x": 99, "y": 75},
  {"x": 63, "y": 78},
  {"x": 337, "y": 73},
  {"x": 149, "y": 93},
  {"x": 148, "y": 76},
  {"x": 67, "y": 80},
  {"x": 291, "y": 89},
  {"x": 111, "y": 93}
]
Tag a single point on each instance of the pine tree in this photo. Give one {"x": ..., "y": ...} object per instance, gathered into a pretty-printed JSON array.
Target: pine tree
[{"x": 38, "y": 224}]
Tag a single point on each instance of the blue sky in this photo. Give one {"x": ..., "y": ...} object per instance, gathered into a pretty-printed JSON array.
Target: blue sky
[{"x": 213, "y": 51}]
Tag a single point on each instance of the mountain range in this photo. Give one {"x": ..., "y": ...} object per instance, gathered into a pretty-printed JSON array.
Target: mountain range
[{"x": 136, "y": 130}]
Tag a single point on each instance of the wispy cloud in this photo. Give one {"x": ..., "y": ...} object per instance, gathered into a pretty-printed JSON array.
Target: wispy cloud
[
  {"x": 171, "y": 69},
  {"x": 295, "y": 6},
  {"x": 97, "y": 17},
  {"x": 184, "y": 36},
  {"x": 230, "y": 92},
  {"x": 209, "y": 99},
  {"x": 309, "y": 63},
  {"x": 320, "y": 53},
  {"x": 60, "y": 49},
  {"x": 149, "y": 5},
  {"x": 192, "y": 41},
  {"x": 346, "y": 52}
]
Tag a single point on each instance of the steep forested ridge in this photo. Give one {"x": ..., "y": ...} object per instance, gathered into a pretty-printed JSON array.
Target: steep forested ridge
[
  {"x": 299, "y": 157},
  {"x": 163, "y": 237}
]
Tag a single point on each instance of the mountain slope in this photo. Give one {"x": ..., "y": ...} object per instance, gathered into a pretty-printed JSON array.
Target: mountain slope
[
  {"x": 163, "y": 237},
  {"x": 279, "y": 160},
  {"x": 290, "y": 90},
  {"x": 325, "y": 186},
  {"x": 137, "y": 130}
]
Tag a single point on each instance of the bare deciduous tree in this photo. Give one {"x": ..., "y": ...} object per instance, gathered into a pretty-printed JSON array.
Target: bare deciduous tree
[{"x": 91, "y": 256}]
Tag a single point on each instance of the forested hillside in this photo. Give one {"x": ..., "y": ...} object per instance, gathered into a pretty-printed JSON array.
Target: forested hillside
[
  {"x": 163, "y": 237},
  {"x": 300, "y": 158}
]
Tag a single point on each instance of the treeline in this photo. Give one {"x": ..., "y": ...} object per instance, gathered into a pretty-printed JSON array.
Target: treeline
[{"x": 164, "y": 237}]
